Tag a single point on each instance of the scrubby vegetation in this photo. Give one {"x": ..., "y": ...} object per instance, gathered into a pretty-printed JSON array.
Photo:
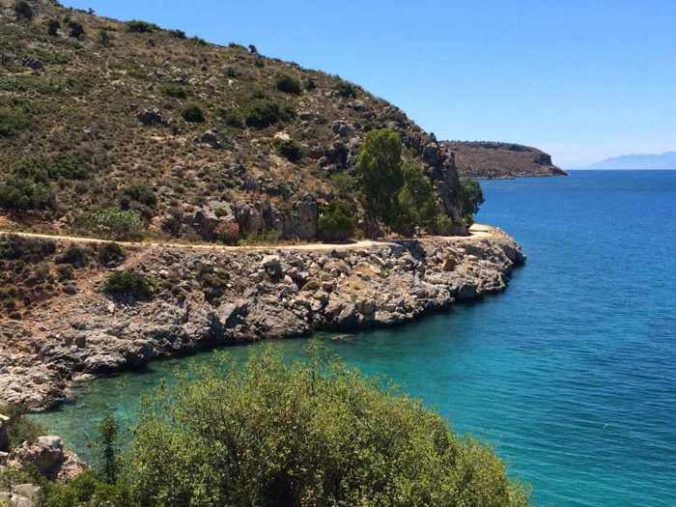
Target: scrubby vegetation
[
  {"x": 128, "y": 283},
  {"x": 272, "y": 433},
  {"x": 265, "y": 113},
  {"x": 33, "y": 271},
  {"x": 336, "y": 222},
  {"x": 288, "y": 84},
  {"x": 193, "y": 114},
  {"x": 290, "y": 150}
]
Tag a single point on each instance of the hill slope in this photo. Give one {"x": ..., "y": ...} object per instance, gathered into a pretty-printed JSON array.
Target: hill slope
[
  {"x": 501, "y": 160},
  {"x": 204, "y": 141},
  {"x": 662, "y": 161}
]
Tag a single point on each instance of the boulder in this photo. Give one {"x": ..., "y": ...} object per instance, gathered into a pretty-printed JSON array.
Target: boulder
[
  {"x": 46, "y": 455},
  {"x": 209, "y": 138},
  {"x": 151, "y": 116},
  {"x": 272, "y": 265}
]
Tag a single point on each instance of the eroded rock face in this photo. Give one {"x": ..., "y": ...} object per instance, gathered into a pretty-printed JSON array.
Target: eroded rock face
[{"x": 207, "y": 297}]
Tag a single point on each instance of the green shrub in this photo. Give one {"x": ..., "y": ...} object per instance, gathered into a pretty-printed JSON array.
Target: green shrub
[
  {"x": 336, "y": 222},
  {"x": 290, "y": 150},
  {"x": 12, "y": 121},
  {"x": 18, "y": 193},
  {"x": 288, "y": 84},
  {"x": 232, "y": 119},
  {"x": 141, "y": 198},
  {"x": 66, "y": 167},
  {"x": 444, "y": 225},
  {"x": 193, "y": 114},
  {"x": 118, "y": 224},
  {"x": 174, "y": 91},
  {"x": 73, "y": 255},
  {"x": 317, "y": 433},
  {"x": 128, "y": 283},
  {"x": 178, "y": 34},
  {"x": 263, "y": 113},
  {"x": 346, "y": 90},
  {"x": 30, "y": 250},
  {"x": 112, "y": 254},
  {"x": 137, "y": 26}
]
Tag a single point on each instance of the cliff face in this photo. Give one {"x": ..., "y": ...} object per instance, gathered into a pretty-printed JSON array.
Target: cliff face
[
  {"x": 203, "y": 140},
  {"x": 203, "y": 297},
  {"x": 501, "y": 160}
]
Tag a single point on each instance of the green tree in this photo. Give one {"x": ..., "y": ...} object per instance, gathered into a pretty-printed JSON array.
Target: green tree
[
  {"x": 379, "y": 169},
  {"x": 472, "y": 197},
  {"x": 416, "y": 200},
  {"x": 108, "y": 433}
]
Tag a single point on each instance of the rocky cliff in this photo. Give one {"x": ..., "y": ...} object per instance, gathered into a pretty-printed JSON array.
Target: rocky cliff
[
  {"x": 202, "y": 297},
  {"x": 500, "y": 160}
]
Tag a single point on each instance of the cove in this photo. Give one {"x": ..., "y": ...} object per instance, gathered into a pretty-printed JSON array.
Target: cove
[{"x": 570, "y": 374}]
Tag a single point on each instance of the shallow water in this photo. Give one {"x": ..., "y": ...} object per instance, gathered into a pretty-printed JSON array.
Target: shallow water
[{"x": 570, "y": 374}]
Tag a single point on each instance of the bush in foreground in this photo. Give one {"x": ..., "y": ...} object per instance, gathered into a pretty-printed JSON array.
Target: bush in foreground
[{"x": 305, "y": 434}]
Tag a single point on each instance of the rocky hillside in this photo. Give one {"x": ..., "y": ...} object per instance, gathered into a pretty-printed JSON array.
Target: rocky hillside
[
  {"x": 205, "y": 142},
  {"x": 501, "y": 160}
]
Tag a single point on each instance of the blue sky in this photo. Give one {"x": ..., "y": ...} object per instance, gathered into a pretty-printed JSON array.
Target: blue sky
[{"x": 581, "y": 79}]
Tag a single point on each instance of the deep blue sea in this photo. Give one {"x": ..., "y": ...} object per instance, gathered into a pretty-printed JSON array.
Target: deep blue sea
[{"x": 570, "y": 374}]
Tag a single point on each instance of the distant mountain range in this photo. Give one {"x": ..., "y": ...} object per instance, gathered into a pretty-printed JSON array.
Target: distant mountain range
[{"x": 662, "y": 161}]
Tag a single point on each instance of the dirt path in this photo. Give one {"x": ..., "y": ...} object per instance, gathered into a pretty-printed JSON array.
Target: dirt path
[{"x": 477, "y": 231}]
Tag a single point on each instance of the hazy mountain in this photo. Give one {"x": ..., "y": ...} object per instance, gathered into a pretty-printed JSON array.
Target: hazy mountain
[{"x": 662, "y": 161}]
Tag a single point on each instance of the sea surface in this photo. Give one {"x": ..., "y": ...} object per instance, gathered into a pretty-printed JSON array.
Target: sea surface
[{"x": 570, "y": 374}]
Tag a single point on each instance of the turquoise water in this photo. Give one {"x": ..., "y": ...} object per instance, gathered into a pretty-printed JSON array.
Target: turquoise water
[{"x": 571, "y": 374}]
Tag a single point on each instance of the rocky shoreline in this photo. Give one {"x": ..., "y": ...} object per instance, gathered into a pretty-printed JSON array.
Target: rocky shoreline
[{"x": 206, "y": 298}]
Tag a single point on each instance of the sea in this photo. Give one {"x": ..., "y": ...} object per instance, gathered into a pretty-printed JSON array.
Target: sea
[{"x": 570, "y": 375}]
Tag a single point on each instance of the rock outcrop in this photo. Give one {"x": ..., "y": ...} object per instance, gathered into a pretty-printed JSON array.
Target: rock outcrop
[
  {"x": 205, "y": 297},
  {"x": 490, "y": 160}
]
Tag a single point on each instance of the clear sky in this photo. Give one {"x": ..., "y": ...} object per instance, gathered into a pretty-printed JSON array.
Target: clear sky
[{"x": 581, "y": 79}]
